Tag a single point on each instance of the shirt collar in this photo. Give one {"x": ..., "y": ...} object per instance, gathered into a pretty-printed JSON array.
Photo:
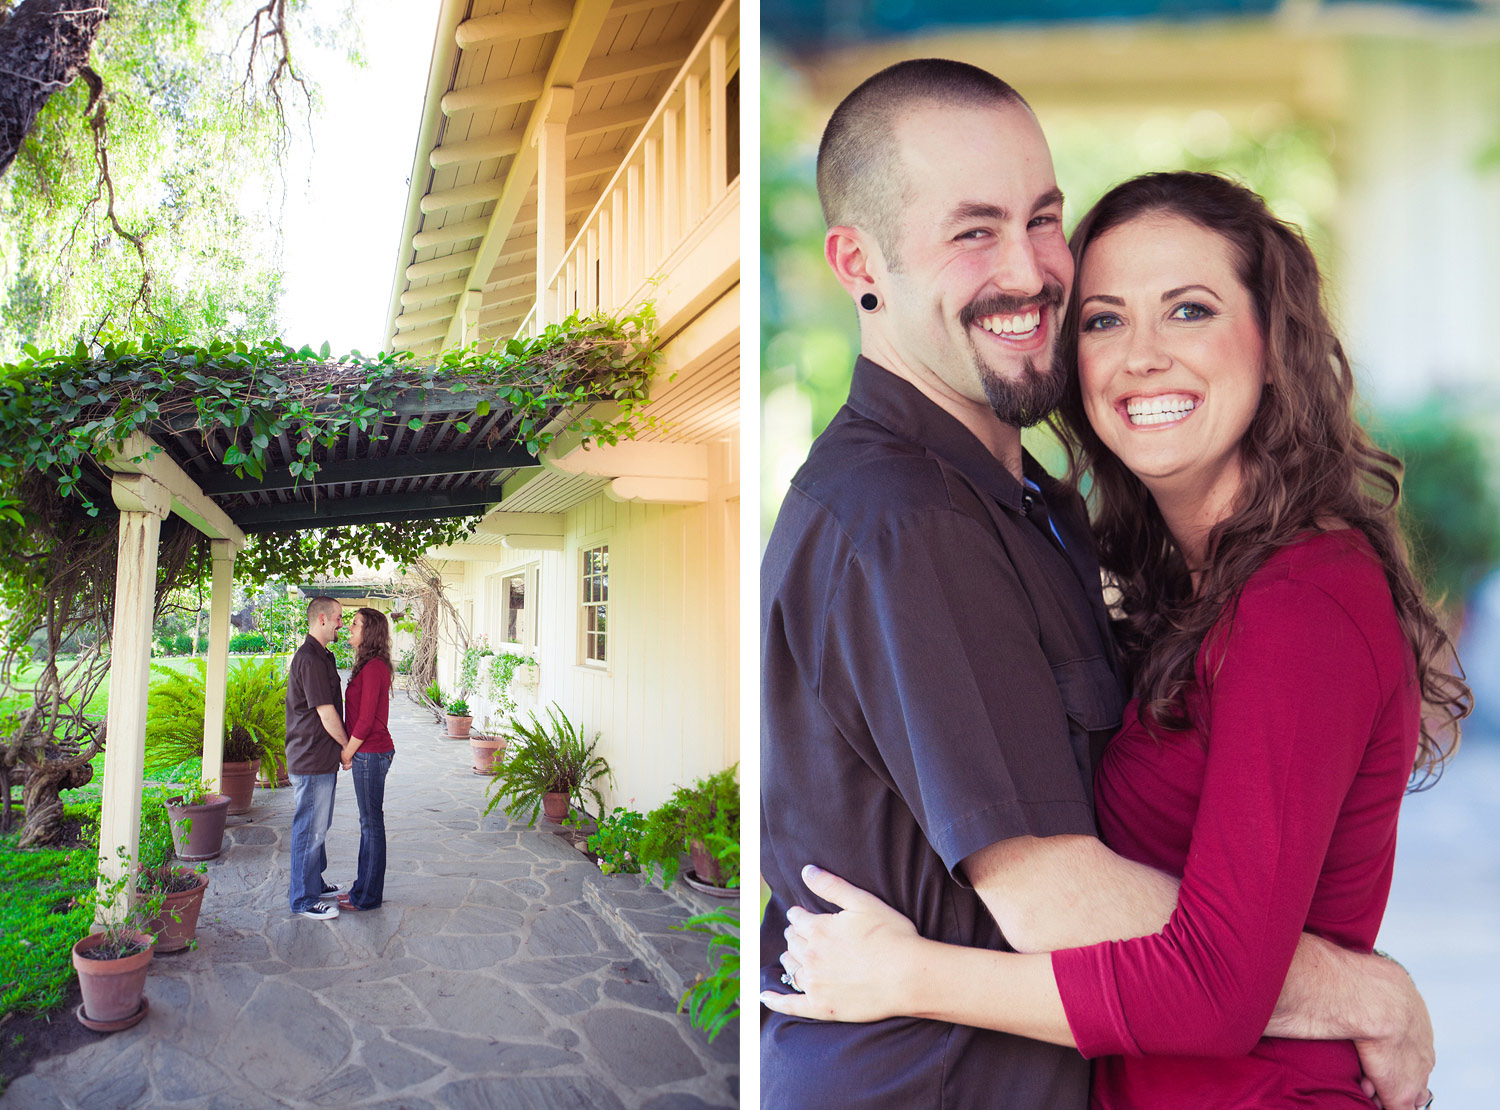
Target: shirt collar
[
  {"x": 902, "y": 408},
  {"x": 313, "y": 640}
]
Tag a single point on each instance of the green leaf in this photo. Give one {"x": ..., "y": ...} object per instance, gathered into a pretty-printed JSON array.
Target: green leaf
[
  {"x": 482, "y": 409},
  {"x": 415, "y": 423}
]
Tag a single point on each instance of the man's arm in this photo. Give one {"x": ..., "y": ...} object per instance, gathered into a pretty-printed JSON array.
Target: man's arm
[
  {"x": 330, "y": 718},
  {"x": 1048, "y": 893}
]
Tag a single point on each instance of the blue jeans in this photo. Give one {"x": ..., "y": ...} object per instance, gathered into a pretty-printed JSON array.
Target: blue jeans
[
  {"x": 369, "y": 787},
  {"x": 313, "y": 798}
]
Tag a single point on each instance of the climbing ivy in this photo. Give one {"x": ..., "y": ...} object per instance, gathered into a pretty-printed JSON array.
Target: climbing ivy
[{"x": 59, "y": 409}]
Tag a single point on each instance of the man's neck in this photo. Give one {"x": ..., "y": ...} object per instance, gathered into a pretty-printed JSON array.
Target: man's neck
[
  {"x": 998, "y": 438},
  {"x": 323, "y": 636}
]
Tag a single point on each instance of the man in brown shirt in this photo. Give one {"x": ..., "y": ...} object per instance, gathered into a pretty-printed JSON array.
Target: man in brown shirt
[{"x": 315, "y": 738}]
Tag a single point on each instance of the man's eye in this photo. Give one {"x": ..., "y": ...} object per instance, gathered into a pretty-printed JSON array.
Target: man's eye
[
  {"x": 973, "y": 233},
  {"x": 1045, "y": 220},
  {"x": 1101, "y": 322}
]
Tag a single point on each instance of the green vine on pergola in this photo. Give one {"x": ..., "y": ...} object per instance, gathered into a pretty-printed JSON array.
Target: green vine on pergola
[{"x": 63, "y": 412}]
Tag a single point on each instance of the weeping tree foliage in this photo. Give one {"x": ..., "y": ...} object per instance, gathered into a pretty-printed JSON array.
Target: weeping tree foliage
[{"x": 146, "y": 180}]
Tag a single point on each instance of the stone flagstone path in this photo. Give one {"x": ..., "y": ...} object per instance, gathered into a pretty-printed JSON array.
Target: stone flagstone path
[{"x": 488, "y": 979}]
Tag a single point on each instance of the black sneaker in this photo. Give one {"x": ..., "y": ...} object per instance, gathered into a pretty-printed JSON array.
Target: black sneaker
[
  {"x": 323, "y": 911},
  {"x": 330, "y": 888}
]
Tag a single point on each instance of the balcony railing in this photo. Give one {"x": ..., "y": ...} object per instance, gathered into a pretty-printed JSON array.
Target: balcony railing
[{"x": 679, "y": 167}]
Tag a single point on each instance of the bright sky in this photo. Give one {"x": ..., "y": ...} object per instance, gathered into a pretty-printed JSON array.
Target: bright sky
[{"x": 342, "y": 231}]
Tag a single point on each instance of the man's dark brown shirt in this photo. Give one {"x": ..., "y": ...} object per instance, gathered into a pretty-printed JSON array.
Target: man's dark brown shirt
[
  {"x": 936, "y": 677},
  {"x": 312, "y": 681}
]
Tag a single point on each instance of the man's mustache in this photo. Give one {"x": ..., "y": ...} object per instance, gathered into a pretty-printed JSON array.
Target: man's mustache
[{"x": 998, "y": 304}]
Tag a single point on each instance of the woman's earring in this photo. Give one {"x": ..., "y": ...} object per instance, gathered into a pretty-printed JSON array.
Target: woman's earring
[{"x": 869, "y": 302}]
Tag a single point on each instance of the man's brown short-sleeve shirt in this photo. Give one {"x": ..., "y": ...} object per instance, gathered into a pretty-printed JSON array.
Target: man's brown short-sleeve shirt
[
  {"x": 312, "y": 681},
  {"x": 936, "y": 677}
]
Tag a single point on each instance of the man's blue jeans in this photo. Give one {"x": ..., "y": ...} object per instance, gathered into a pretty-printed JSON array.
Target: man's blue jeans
[
  {"x": 313, "y": 797},
  {"x": 369, "y": 787}
]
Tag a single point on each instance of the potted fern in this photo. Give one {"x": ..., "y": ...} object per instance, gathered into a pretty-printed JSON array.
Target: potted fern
[
  {"x": 550, "y": 765},
  {"x": 701, "y": 819}
]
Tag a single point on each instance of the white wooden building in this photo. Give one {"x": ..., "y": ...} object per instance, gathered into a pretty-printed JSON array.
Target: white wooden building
[{"x": 575, "y": 157}]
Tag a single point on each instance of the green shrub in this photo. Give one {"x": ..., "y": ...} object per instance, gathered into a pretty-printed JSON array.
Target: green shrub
[
  {"x": 458, "y": 708},
  {"x": 616, "y": 841},
  {"x": 248, "y": 643},
  {"x": 708, "y": 812},
  {"x": 255, "y": 699}
]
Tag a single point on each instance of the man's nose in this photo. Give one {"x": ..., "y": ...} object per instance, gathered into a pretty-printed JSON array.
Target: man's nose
[{"x": 1017, "y": 268}]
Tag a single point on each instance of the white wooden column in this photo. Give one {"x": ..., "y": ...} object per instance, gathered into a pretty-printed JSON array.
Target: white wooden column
[
  {"x": 551, "y": 197},
  {"x": 218, "y": 659},
  {"x": 143, "y": 504},
  {"x": 469, "y": 307}
]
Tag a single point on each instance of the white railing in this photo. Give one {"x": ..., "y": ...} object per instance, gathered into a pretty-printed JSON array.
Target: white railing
[{"x": 674, "y": 174}]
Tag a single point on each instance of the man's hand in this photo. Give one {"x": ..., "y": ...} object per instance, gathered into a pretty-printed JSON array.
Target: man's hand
[
  {"x": 1398, "y": 1062},
  {"x": 1334, "y": 994}
]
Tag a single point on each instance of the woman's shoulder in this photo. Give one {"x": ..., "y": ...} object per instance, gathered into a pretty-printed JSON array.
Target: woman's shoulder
[{"x": 1336, "y": 562}]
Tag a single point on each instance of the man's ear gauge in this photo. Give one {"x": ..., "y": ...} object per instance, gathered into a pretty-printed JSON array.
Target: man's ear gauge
[{"x": 869, "y": 302}]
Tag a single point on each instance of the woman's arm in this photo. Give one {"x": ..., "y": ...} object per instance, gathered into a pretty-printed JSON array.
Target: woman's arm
[{"x": 868, "y": 963}]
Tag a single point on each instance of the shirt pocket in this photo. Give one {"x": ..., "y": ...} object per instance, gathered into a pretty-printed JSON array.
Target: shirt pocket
[{"x": 1091, "y": 695}]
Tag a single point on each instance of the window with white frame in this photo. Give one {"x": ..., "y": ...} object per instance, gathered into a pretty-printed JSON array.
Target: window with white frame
[
  {"x": 594, "y": 598},
  {"x": 513, "y": 597}
]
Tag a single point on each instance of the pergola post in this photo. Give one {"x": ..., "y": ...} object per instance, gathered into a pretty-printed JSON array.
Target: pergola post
[
  {"x": 551, "y": 197},
  {"x": 143, "y": 504},
  {"x": 218, "y": 660}
]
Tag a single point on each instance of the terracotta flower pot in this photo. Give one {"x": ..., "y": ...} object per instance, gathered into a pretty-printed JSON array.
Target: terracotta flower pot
[
  {"x": 485, "y": 753},
  {"x": 205, "y": 838},
  {"x": 705, "y": 866},
  {"x": 458, "y": 727},
  {"x": 238, "y": 781},
  {"x": 173, "y": 936},
  {"x": 112, "y": 989},
  {"x": 555, "y": 805}
]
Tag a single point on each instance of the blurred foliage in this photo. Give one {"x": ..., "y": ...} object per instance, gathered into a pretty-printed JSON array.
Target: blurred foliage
[{"x": 1450, "y": 501}]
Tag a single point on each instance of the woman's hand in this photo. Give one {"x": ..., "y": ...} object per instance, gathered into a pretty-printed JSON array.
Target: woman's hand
[{"x": 862, "y": 964}]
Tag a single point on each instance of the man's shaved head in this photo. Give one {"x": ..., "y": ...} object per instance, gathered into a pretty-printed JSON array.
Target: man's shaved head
[
  {"x": 323, "y": 607},
  {"x": 861, "y": 180}
]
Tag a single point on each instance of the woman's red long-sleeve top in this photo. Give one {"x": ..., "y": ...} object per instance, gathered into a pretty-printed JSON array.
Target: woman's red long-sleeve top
[
  {"x": 367, "y": 707},
  {"x": 1279, "y": 815}
]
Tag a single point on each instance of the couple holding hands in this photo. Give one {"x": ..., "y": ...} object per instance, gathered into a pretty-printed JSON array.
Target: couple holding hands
[
  {"x": 1150, "y": 826},
  {"x": 322, "y": 737}
]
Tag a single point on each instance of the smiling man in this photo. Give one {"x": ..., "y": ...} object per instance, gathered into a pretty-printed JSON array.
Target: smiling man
[{"x": 938, "y": 678}]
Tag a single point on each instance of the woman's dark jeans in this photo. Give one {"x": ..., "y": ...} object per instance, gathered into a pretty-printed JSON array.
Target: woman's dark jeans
[{"x": 369, "y": 787}]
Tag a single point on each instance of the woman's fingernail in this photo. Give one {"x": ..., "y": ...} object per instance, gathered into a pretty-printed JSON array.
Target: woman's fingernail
[{"x": 811, "y": 871}]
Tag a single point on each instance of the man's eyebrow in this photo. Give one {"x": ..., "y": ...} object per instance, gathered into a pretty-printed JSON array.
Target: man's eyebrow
[{"x": 980, "y": 210}]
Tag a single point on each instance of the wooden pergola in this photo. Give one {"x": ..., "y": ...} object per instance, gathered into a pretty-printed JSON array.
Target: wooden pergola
[{"x": 456, "y": 463}]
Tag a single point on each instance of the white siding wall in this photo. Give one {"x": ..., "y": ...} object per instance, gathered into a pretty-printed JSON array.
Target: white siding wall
[{"x": 667, "y": 705}]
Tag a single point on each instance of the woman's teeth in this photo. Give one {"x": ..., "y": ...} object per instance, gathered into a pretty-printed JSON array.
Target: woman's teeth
[
  {"x": 1143, "y": 411},
  {"x": 1023, "y": 324}
]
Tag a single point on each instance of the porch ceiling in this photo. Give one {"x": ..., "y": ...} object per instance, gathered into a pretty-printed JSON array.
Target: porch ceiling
[{"x": 472, "y": 210}]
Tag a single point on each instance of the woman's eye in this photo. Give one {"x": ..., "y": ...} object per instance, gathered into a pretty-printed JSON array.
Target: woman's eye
[
  {"x": 1101, "y": 322},
  {"x": 1192, "y": 311}
]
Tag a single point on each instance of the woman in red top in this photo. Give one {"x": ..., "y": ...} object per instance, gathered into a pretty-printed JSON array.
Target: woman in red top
[
  {"x": 367, "y": 706},
  {"x": 1281, "y": 651}
]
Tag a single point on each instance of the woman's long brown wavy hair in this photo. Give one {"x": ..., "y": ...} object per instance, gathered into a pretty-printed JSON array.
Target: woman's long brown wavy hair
[
  {"x": 374, "y": 641},
  {"x": 1304, "y": 460}
]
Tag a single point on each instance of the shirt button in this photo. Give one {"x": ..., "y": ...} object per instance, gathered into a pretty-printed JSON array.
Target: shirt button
[{"x": 1026, "y": 503}]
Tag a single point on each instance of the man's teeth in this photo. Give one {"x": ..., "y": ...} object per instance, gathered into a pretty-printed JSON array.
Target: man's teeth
[
  {"x": 1158, "y": 410},
  {"x": 1023, "y": 324}
]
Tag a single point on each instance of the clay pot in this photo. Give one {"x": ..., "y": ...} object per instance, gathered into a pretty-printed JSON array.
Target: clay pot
[
  {"x": 458, "y": 727},
  {"x": 485, "y": 753},
  {"x": 555, "y": 805},
  {"x": 705, "y": 866},
  {"x": 173, "y": 936},
  {"x": 112, "y": 989},
  {"x": 205, "y": 838},
  {"x": 238, "y": 781}
]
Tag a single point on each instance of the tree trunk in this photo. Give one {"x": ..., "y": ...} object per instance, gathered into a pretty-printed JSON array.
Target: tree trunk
[
  {"x": 41, "y": 797},
  {"x": 43, "y": 44}
]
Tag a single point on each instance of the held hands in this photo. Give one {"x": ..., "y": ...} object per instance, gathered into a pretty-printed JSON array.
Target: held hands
[
  {"x": 848, "y": 966},
  {"x": 346, "y": 754}
]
